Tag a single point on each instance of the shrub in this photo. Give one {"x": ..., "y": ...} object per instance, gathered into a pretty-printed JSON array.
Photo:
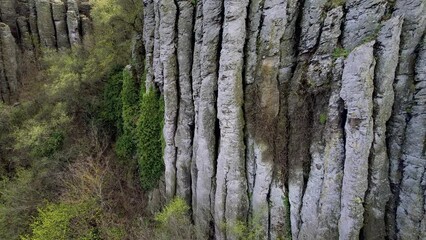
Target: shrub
[
  {"x": 65, "y": 221},
  {"x": 111, "y": 106},
  {"x": 174, "y": 221},
  {"x": 130, "y": 98},
  {"x": 149, "y": 133},
  {"x": 18, "y": 200}
]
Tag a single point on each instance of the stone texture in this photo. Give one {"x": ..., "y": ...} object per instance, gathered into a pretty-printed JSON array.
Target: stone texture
[
  {"x": 410, "y": 216},
  {"x": 8, "y": 65},
  {"x": 362, "y": 21},
  {"x": 167, "y": 34},
  {"x": 318, "y": 74},
  {"x": 205, "y": 153},
  {"x": 59, "y": 18},
  {"x": 73, "y": 22},
  {"x": 357, "y": 94},
  {"x": 231, "y": 200},
  {"x": 387, "y": 52},
  {"x": 185, "y": 119},
  {"x": 413, "y": 28},
  {"x": 45, "y": 25}
]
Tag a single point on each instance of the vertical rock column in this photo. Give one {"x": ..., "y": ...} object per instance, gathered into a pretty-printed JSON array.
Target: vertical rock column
[
  {"x": 148, "y": 36},
  {"x": 334, "y": 154},
  {"x": 185, "y": 121},
  {"x": 59, "y": 18},
  {"x": 411, "y": 220},
  {"x": 205, "y": 152},
  {"x": 262, "y": 107},
  {"x": 45, "y": 25},
  {"x": 8, "y": 15},
  {"x": 167, "y": 34},
  {"x": 319, "y": 72},
  {"x": 379, "y": 186},
  {"x": 73, "y": 22},
  {"x": 231, "y": 203},
  {"x": 362, "y": 21},
  {"x": 357, "y": 93},
  {"x": 413, "y": 28},
  {"x": 8, "y": 65}
]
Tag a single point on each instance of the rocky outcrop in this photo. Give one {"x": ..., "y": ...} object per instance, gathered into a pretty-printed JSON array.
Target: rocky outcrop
[
  {"x": 357, "y": 94},
  {"x": 295, "y": 119},
  {"x": 35, "y": 24},
  {"x": 8, "y": 65},
  {"x": 386, "y": 55}
]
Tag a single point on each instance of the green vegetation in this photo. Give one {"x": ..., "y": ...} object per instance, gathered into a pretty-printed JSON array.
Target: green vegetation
[
  {"x": 129, "y": 98},
  {"x": 65, "y": 221},
  {"x": 323, "y": 118},
  {"x": 340, "y": 52},
  {"x": 174, "y": 221},
  {"x": 149, "y": 132}
]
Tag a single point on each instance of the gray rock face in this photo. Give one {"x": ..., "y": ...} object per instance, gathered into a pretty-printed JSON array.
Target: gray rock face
[
  {"x": 388, "y": 42},
  {"x": 410, "y": 216},
  {"x": 413, "y": 28},
  {"x": 301, "y": 119},
  {"x": 59, "y": 18},
  {"x": 73, "y": 22},
  {"x": 362, "y": 21},
  {"x": 167, "y": 35},
  {"x": 185, "y": 121},
  {"x": 205, "y": 152},
  {"x": 45, "y": 25},
  {"x": 8, "y": 65},
  {"x": 319, "y": 70},
  {"x": 357, "y": 94},
  {"x": 231, "y": 200},
  {"x": 8, "y": 14}
]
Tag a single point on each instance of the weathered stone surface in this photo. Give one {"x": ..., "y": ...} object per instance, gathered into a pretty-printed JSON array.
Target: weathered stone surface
[
  {"x": 231, "y": 200},
  {"x": 8, "y": 65},
  {"x": 410, "y": 216},
  {"x": 185, "y": 119},
  {"x": 26, "y": 39},
  {"x": 8, "y": 15},
  {"x": 59, "y": 18},
  {"x": 413, "y": 28},
  {"x": 362, "y": 21},
  {"x": 167, "y": 34},
  {"x": 45, "y": 25},
  {"x": 273, "y": 142},
  {"x": 148, "y": 36},
  {"x": 379, "y": 187},
  {"x": 157, "y": 64},
  {"x": 311, "y": 24},
  {"x": 319, "y": 71},
  {"x": 334, "y": 154},
  {"x": 357, "y": 93},
  {"x": 73, "y": 22},
  {"x": 205, "y": 153}
]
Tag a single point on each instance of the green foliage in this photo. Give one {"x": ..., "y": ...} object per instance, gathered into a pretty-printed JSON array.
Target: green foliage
[
  {"x": 323, "y": 118},
  {"x": 111, "y": 106},
  {"x": 65, "y": 221},
  {"x": 18, "y": 198},
  {"x": 149, "y": 133},
  {"x": 340, "y": 52},
  {"x": 174, "y": 221},
  {"x": 115, "y": 22},
  {"x": 43, "y": 134},
  {"x": 126, "y": 144}
]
